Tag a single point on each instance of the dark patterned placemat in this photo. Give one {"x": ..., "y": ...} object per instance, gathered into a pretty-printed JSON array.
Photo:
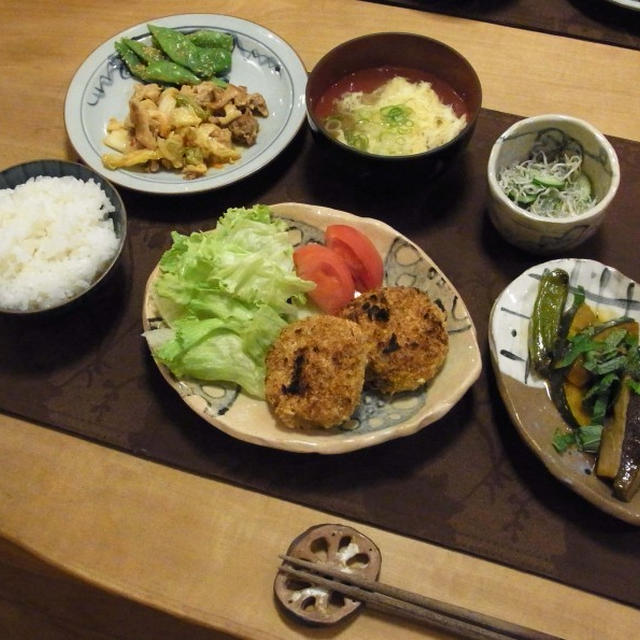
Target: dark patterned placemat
[
  {"x": 466, "y": 482},
  {"x": 596, "y": 20}
]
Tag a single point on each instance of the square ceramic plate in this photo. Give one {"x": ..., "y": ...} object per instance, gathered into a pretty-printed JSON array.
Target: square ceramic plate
[
  {"x": 377, "y": 419},
  {"x": 610, "y": 294},
  {"x": 261, "y": 61}
]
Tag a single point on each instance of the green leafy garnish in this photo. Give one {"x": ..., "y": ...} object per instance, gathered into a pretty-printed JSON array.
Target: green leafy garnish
[
  {"x": 225, "y": 294},
  {"x": 562, "y": 441},
  {"x": 588, "y": 370},
  {"x": 588, "y": 438},
  {"x": 634, "y": 385},
  {"x": 580, "y": 344},
  {"x": 585, "y": 439}
]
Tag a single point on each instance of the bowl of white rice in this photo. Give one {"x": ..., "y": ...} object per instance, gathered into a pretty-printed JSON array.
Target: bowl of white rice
[{"x": 63, "y": 228}]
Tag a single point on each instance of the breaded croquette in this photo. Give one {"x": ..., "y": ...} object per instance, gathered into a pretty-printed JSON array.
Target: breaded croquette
[
  {"x": 315, "y": 372},
  {"x": 407, "y": 337}
]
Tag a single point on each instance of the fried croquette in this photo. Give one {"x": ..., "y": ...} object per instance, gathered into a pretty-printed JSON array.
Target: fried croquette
[
  {"x": 407, "y": 336},
  {"x": 315, "y": 372}
]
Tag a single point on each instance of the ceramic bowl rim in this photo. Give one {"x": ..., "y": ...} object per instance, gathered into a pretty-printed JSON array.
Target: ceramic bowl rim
[
  {"x": 558, "y": 119},
  {"x": 471, "y": 118},
  {"x": 118, "y": 204}
]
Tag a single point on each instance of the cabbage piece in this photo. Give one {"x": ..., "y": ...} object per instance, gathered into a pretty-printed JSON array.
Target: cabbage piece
[
  {"x": 118, "y": 137},
  {"x": 226, "y": 294},
  {"x": 214, "y": 350},
  {"x": 129, "y": 159},
  {"x": 172, "y": 150}
]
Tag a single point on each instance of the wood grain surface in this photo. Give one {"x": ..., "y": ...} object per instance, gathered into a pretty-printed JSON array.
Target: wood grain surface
[{"x": 99, "y": 544}]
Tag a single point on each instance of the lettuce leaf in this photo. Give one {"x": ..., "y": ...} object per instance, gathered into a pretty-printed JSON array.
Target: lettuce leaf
[{"x": 225, "y": 294}]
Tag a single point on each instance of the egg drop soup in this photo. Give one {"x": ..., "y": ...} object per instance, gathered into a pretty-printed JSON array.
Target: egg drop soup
[{"x": 391, "y": 111}]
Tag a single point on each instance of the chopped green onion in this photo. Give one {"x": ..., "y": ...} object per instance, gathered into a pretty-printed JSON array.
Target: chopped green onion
[
  {"x": 395, "y": 115},
  {"x": 357, "y": 140}
]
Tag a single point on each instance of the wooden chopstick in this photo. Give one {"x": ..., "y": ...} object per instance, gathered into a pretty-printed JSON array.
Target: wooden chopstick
[{"x": 393, "y": 600}]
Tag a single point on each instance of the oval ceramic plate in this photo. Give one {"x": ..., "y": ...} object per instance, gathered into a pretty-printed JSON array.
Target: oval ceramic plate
[
  {"x": 377, "y": 419},
  {"x": 610, "y": 294},
  {"x": 261, "y": 61}
]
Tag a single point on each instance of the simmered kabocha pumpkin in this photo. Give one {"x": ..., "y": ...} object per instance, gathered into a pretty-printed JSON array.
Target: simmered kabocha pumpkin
[{"x": 593, "y": 370}]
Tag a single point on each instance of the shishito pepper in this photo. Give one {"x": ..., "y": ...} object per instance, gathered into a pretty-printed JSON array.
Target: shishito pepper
[{"x": 545, "y": 318}]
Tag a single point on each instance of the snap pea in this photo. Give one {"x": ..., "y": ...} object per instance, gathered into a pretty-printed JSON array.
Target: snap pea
[
  {"x": 182, "y": 51},
  {"x": 163, "y": 71},
  {"x": 213, "y": 39},
  {"x": 174, "y": 58},
  {"x": 217, "y": 59},
  {"x": 131, "y": 60},
  {"x": 545, "y": 318},
  {"x": 143, "y": 51},
  {"x": 168, "y": 72}
]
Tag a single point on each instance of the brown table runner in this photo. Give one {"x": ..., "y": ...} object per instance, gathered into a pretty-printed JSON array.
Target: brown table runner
[
  {"x": 596, "y": 20},
  {"x": 467, "y": 482}
]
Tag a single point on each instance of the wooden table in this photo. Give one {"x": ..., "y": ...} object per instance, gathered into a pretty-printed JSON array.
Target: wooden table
[{"x": 95, "y": 543}]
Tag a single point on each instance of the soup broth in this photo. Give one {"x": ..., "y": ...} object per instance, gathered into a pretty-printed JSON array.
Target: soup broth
[{"x": 391, "y": 111}]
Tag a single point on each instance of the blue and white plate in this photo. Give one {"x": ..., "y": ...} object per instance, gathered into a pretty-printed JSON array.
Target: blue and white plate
[
  {"x": 610, "y": 294},
  {"x": 377, "y": 419},
  {"x": 261, "y": 61}
]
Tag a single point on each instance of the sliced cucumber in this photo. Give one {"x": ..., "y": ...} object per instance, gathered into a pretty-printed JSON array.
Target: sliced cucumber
[
  {"x": 583, "y": 186},
  {"x": 526, "y": 198},
  {"x": 548, "y": 180}
]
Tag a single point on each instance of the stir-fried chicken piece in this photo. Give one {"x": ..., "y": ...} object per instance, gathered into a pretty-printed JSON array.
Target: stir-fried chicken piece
[
  {"x": 244, "y": 130},
  {"x": 229, "y": 113},
  {"x": 191, "y": 129},
  {"x": 258, "y": 105}
]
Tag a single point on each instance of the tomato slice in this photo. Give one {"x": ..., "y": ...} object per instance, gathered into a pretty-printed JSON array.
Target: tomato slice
[
  {"x": 334, "y": 283},
  {"x": 359, "y": 253}
]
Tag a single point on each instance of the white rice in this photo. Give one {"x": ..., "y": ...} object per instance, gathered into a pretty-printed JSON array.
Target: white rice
[{"x": 55, "y": 239}]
